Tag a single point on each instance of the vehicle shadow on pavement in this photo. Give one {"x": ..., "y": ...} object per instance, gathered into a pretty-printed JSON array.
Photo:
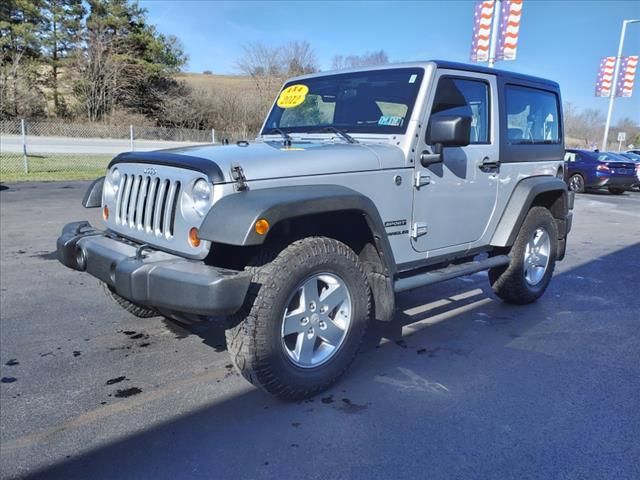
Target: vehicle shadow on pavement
[
  {"x": 604, "y": 193},
  {"x": 233, "y": 437}
]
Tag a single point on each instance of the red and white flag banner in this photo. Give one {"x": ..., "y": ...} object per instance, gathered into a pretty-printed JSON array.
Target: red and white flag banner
[
  {"x": 510, "y": 16},
  {"x": 626, "y": 76},
  {"x": 482, "y": 19},
  {"x": 604, "y": 82}
]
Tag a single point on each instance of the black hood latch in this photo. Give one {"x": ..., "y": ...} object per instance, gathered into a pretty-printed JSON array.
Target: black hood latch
[{"x": 238, "y": 176}]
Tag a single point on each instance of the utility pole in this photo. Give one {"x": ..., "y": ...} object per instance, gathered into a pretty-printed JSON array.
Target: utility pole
[
  {"x": 495, "y": 29},
  {"x": 614, "y": 87}
]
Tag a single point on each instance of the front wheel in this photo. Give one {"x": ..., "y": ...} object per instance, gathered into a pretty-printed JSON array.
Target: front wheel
[
  {"x": 533, "y": 258},
  {"x": 616, "y": 190},
  {"x": 304, "y": 319}
]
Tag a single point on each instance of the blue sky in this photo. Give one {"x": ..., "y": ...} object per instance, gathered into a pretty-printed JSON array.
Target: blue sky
[{"x": 559, "y": 39}]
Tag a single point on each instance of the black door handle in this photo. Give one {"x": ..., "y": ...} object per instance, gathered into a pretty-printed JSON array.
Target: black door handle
[{"x": 488, "y": 164}]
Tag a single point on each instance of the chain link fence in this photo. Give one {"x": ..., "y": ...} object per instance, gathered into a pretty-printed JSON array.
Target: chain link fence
[{"x": 57, "y": 150}]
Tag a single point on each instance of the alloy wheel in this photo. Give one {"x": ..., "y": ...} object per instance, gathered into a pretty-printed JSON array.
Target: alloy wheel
[
  {"x": 316, "y": 320},
  {"x": 536, "y": 256}
]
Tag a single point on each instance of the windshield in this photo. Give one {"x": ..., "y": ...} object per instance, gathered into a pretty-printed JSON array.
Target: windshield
[{"x": 377, "y": 101}]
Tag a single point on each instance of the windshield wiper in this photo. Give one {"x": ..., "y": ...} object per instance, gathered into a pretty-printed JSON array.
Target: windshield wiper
[
  {"x": 342, "y": 133},
  {"x": 287, "y": 140}
]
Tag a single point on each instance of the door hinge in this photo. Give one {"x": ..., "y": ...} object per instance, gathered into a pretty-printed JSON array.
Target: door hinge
[
  {"x": 422, "y": 179},
  {"x": 418, "y": 229},
  {"x": 238, "y": 176}
]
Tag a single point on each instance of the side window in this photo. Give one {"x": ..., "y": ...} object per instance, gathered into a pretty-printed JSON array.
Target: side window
[
  {"x": 532, "y": 116},
  {"x": 457, "y": 96}
]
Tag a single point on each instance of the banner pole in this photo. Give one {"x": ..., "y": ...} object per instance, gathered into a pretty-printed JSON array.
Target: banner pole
[
  {"x": 614, "y": 86},
  {"x": 495, "y": 29}
]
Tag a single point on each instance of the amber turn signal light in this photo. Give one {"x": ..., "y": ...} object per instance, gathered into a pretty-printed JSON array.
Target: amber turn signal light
[
  {"x": 261, "y": 226},
  {"x": 105, "y": 213},
  {"x": 194, "y": 239}
]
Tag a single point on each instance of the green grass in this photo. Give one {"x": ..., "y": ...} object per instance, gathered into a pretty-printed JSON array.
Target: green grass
[{"x": 52, "y": 167}]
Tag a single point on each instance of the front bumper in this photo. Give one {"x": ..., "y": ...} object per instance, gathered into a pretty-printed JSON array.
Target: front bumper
[{"x": 149, "y": 277}]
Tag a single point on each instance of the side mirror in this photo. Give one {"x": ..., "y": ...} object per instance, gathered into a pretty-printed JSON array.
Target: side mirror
[{"x": 446, "y": 131}]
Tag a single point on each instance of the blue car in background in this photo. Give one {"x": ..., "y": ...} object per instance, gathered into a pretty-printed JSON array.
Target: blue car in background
[
  {"x": 634, "y": 157},
  {"x": 592, "y": 169}
]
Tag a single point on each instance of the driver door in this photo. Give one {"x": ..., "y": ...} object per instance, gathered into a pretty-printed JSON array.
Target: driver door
[{"x": 454, "y": 200}]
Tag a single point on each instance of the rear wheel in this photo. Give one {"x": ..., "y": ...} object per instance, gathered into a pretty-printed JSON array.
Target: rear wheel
[
  {"x": 304, "y": 319},
  {"x": 616, "y": 190},
  {"x": 533, "y": 258},
  {"x": 576, "y": 183}
]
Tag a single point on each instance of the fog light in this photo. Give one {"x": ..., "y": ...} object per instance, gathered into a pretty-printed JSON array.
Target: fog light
[
  {"x": 261, "y": 226},
  {"x": 194, "y": 239},
  {"x": 105, "y": 213}
]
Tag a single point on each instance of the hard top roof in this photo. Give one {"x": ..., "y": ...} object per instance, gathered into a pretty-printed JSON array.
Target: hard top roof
[{"x": 508, "y": 76}]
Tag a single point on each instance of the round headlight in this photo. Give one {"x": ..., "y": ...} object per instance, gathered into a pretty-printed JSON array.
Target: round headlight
[
  {"x": 114, "y": 179},
  {"x": 201, "y": 194}
]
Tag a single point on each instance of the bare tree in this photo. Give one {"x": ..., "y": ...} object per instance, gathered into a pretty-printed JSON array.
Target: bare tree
[
  {"x": 262, "y": 63},
  {"x": 298, "y": 58},
  {"x": 632, "y": 130},
  {"x": 591, "y": 122},
  {"x": 582, "y": 127},
  {"x": 379, "y": 57},
  {"x": 268, "y": 65},
  {"x": 99, "y": 85}
]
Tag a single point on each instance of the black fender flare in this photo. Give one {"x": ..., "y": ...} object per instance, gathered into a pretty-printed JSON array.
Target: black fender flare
[
  {"x": 93, "y": 195},
  {"x": 521, "y": 200},
  {"x": 231, "y": 220}
]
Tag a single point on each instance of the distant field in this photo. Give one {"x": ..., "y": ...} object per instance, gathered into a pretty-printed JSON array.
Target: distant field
[{"x": 205, "y": 82}]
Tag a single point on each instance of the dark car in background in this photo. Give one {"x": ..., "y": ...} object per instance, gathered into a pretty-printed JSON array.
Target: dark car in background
[
  {"x": 594, "y": 170},
  {"x": 634, "y": 157}
]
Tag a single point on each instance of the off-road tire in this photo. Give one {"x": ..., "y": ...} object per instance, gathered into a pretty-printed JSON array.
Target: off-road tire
[
  {"x": 576, "y": 183},
  {"x": 509, "y": 283},
  {"x": 616, "y": 190},
  {"x": 132, "y": 308},
  {"x": 255, "y": 342}
]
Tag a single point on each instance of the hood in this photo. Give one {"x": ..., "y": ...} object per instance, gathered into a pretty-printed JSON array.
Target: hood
[{"x": 266, "y": 160}]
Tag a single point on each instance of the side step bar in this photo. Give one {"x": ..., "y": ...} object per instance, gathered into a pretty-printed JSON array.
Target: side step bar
[{"x": 452, "y": 271}]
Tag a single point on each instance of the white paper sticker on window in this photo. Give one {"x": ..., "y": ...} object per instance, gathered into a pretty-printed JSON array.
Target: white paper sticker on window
[{"x": 412, "y": 78}]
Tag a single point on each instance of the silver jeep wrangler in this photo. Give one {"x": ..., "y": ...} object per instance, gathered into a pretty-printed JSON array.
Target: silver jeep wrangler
[{"x": 363, "y": 183}]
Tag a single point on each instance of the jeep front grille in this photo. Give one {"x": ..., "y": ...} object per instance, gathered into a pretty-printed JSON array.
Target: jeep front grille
[
  {"x": 152, "y": 205},
  {"x": 148, "y": 204}
]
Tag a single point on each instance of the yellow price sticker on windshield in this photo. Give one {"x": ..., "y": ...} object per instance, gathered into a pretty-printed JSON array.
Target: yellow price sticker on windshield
[{"x": 293, "y": 96}]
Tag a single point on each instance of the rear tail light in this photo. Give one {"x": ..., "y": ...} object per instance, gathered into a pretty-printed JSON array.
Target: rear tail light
[{"x": 603, "y": 168}]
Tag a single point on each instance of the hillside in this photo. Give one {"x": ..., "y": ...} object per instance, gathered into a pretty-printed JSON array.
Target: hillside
[{"x": 201, "y": 81}]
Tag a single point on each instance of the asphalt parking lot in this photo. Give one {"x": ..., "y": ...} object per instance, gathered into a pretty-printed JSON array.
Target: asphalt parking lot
[{"x": 460, "y": 386}]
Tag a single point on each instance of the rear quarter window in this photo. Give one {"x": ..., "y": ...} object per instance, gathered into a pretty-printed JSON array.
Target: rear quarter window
[{"x": 533, "y": 116}]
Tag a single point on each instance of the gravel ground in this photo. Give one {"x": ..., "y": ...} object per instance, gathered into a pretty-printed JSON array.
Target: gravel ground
[{"x": 459, "y": 386}]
